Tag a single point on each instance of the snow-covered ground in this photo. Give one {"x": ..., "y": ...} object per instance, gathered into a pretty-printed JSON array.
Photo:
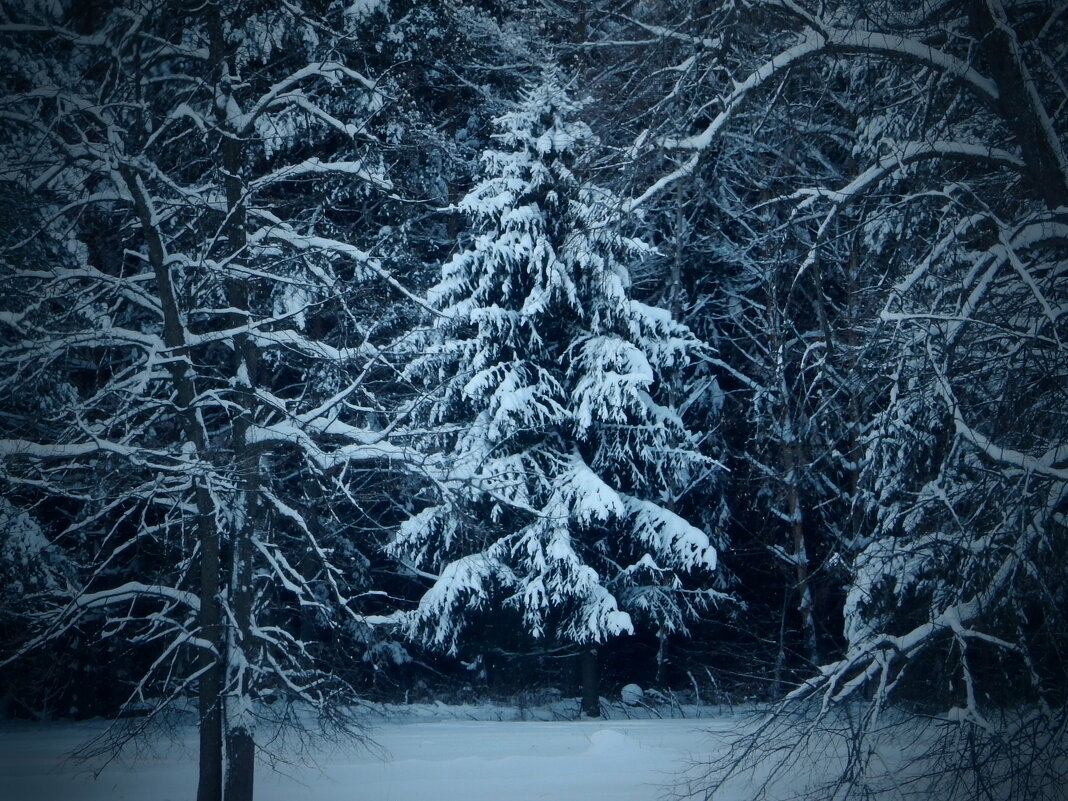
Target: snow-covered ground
[{"x": 427, "y": 753}]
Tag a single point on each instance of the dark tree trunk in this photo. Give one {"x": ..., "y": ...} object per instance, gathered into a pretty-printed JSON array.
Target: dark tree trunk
[
  {"x": 240, "y": 765},
  {"x": 591, "y": 691},
  {"x": 209, "y": 689},
  {"x": 232, "y": 701},
  {"x": 800, "y": 554},
  {"x": 1021, "y": 106},
  {"x": 209, "y": 619}
]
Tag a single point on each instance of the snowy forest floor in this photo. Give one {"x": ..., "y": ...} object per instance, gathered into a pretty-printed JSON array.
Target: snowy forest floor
[{"x": 423, "y": 752}]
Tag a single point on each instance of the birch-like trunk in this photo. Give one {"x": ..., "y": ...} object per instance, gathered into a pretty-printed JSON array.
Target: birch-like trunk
[{"x": 239, "y": 740}]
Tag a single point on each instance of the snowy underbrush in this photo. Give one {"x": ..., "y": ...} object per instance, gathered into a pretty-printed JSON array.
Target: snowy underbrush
[
  {"x": 845, "y": 753},
  {"x": 544, "y": 706}
]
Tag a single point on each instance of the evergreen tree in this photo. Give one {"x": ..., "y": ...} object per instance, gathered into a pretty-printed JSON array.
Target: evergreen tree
[{"x": 558, "y": 455}]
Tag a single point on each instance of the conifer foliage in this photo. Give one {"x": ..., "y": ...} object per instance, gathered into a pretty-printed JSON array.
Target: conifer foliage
[{"x": 546, "y": 402}]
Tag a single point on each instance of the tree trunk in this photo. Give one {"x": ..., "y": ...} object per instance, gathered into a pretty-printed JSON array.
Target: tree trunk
[
  {"x": 240, "y": 764},
  {"x": 591, "y": 691},
  {"x": 209, "y": 618},
  {"x": 240, "y": 746},
  {"x": 209, "y": 687},
  {"x": 661, "y": 657},
  {"x": 790, "y": 462},
  {"x": 780, "y": 653},
  {"x": 1021, "y": 106},
  {"x": 800, "y": 554},
  {"x": 239, "y": 739}
]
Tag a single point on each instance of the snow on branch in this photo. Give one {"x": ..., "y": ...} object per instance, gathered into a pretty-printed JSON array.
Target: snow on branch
[
  {"x": 363, "y": 445},
  {"x": 331, "y": 71},
  {"x": 1045, "y": 465},
  {"x": 885, "y": 44},
  {"x": 133, "y": 590},
  {"x": 877, "y": 655},
  {"x": 315, "y": 166},
  {"x": 50, "y": 450},
  {"x": 671, "y": 536},
  {"x": 281, "y": 232},
  {"x": 811, "y": 43},
  {"x": 905, "y": 154}
]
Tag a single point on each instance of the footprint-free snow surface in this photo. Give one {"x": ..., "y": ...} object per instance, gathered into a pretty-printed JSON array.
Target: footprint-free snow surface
[{"x": 430, "y": 754}]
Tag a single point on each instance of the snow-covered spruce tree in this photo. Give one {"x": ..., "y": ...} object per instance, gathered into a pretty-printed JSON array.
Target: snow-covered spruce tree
[
  {"x": 184, "y": 355},
  {"x": 554, "y": 456}
]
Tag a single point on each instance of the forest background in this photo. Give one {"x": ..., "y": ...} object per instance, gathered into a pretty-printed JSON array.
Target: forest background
[{"x": 405, "y": 351}]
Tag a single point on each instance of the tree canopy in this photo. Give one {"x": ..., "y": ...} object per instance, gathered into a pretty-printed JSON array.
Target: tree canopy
[{"x": 719, "y": 346}]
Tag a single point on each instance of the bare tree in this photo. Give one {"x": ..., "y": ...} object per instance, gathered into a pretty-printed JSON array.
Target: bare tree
[
  {"x": 948, "y": 201},
  {"x": 188, "y": 328}
]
